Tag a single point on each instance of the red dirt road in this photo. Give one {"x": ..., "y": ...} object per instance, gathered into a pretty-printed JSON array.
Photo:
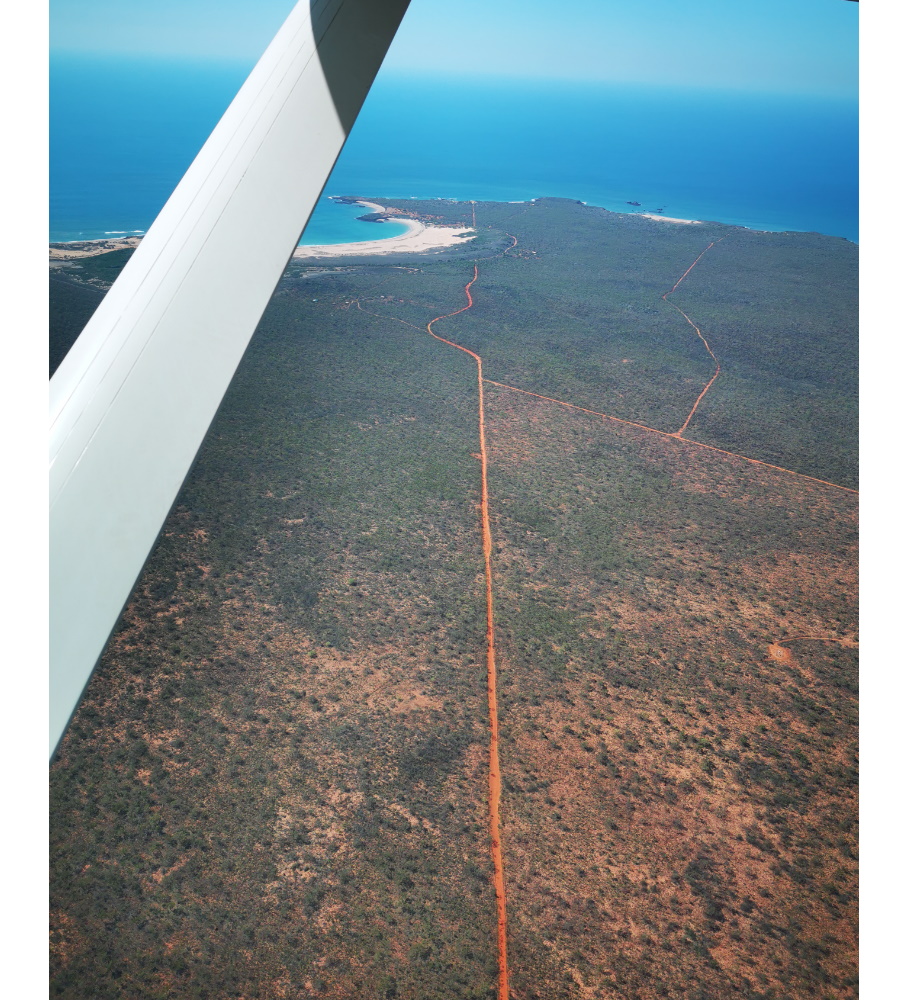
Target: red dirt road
[
  {"x": 494, "y": 783},
  {"x": 674, "y": 436}
]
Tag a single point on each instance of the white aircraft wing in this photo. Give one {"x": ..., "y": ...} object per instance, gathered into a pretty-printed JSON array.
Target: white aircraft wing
[{"x": 135, "y": 395}]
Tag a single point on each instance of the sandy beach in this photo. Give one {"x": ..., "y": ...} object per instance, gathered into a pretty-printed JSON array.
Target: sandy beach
[
  {"x": 668, "y": 218},
  {"x": 90, "y": 248},
  {"x": 417, "y": 238}
]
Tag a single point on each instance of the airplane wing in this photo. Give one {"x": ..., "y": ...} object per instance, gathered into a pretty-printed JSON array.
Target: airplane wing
[{"x": 135, "y": 396}]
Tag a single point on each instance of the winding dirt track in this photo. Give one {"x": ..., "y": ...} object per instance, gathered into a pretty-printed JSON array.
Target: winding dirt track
[
  {"x": 494, "y": 783},
  {"x": 665, "y": 297}
]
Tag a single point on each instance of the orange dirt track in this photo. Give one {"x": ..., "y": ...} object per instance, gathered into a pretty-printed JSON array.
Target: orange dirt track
[
  {"x": 673, "y": 436},
  {"x": 494, "y": 783},
  {"x": 706, "y": 388}
]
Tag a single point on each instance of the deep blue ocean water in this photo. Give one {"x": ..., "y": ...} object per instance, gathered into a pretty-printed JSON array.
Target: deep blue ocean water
[{"x": 123, "y": 132}]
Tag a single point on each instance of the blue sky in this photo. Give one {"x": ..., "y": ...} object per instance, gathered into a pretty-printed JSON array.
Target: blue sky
[{"x": 786, "y": 46}]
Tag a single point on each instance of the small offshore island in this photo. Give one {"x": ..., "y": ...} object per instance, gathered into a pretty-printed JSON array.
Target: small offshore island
[{"x": 644, "y": 430}]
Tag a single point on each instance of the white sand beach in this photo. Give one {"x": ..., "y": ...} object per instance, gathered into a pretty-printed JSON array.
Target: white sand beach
[
  {"x": 417, "y": 238},
  {"x": 668, "y": 218}
]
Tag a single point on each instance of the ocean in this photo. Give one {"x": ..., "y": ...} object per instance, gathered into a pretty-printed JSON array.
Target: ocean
[{"x": 124, "y": 131}]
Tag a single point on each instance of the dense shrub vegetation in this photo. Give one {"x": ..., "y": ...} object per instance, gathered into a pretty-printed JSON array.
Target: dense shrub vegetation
[{"x": 276, "y": 783}]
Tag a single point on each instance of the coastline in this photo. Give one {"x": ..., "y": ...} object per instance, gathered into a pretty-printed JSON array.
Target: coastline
[
  {"x": 91, "y": 248},
  {"x": 418, "y": 238}
]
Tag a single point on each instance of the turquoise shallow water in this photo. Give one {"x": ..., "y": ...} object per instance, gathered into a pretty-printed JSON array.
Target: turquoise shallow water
[
  {"x": 336, "y": 223},
  {"x": 123, "y": 133}
]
